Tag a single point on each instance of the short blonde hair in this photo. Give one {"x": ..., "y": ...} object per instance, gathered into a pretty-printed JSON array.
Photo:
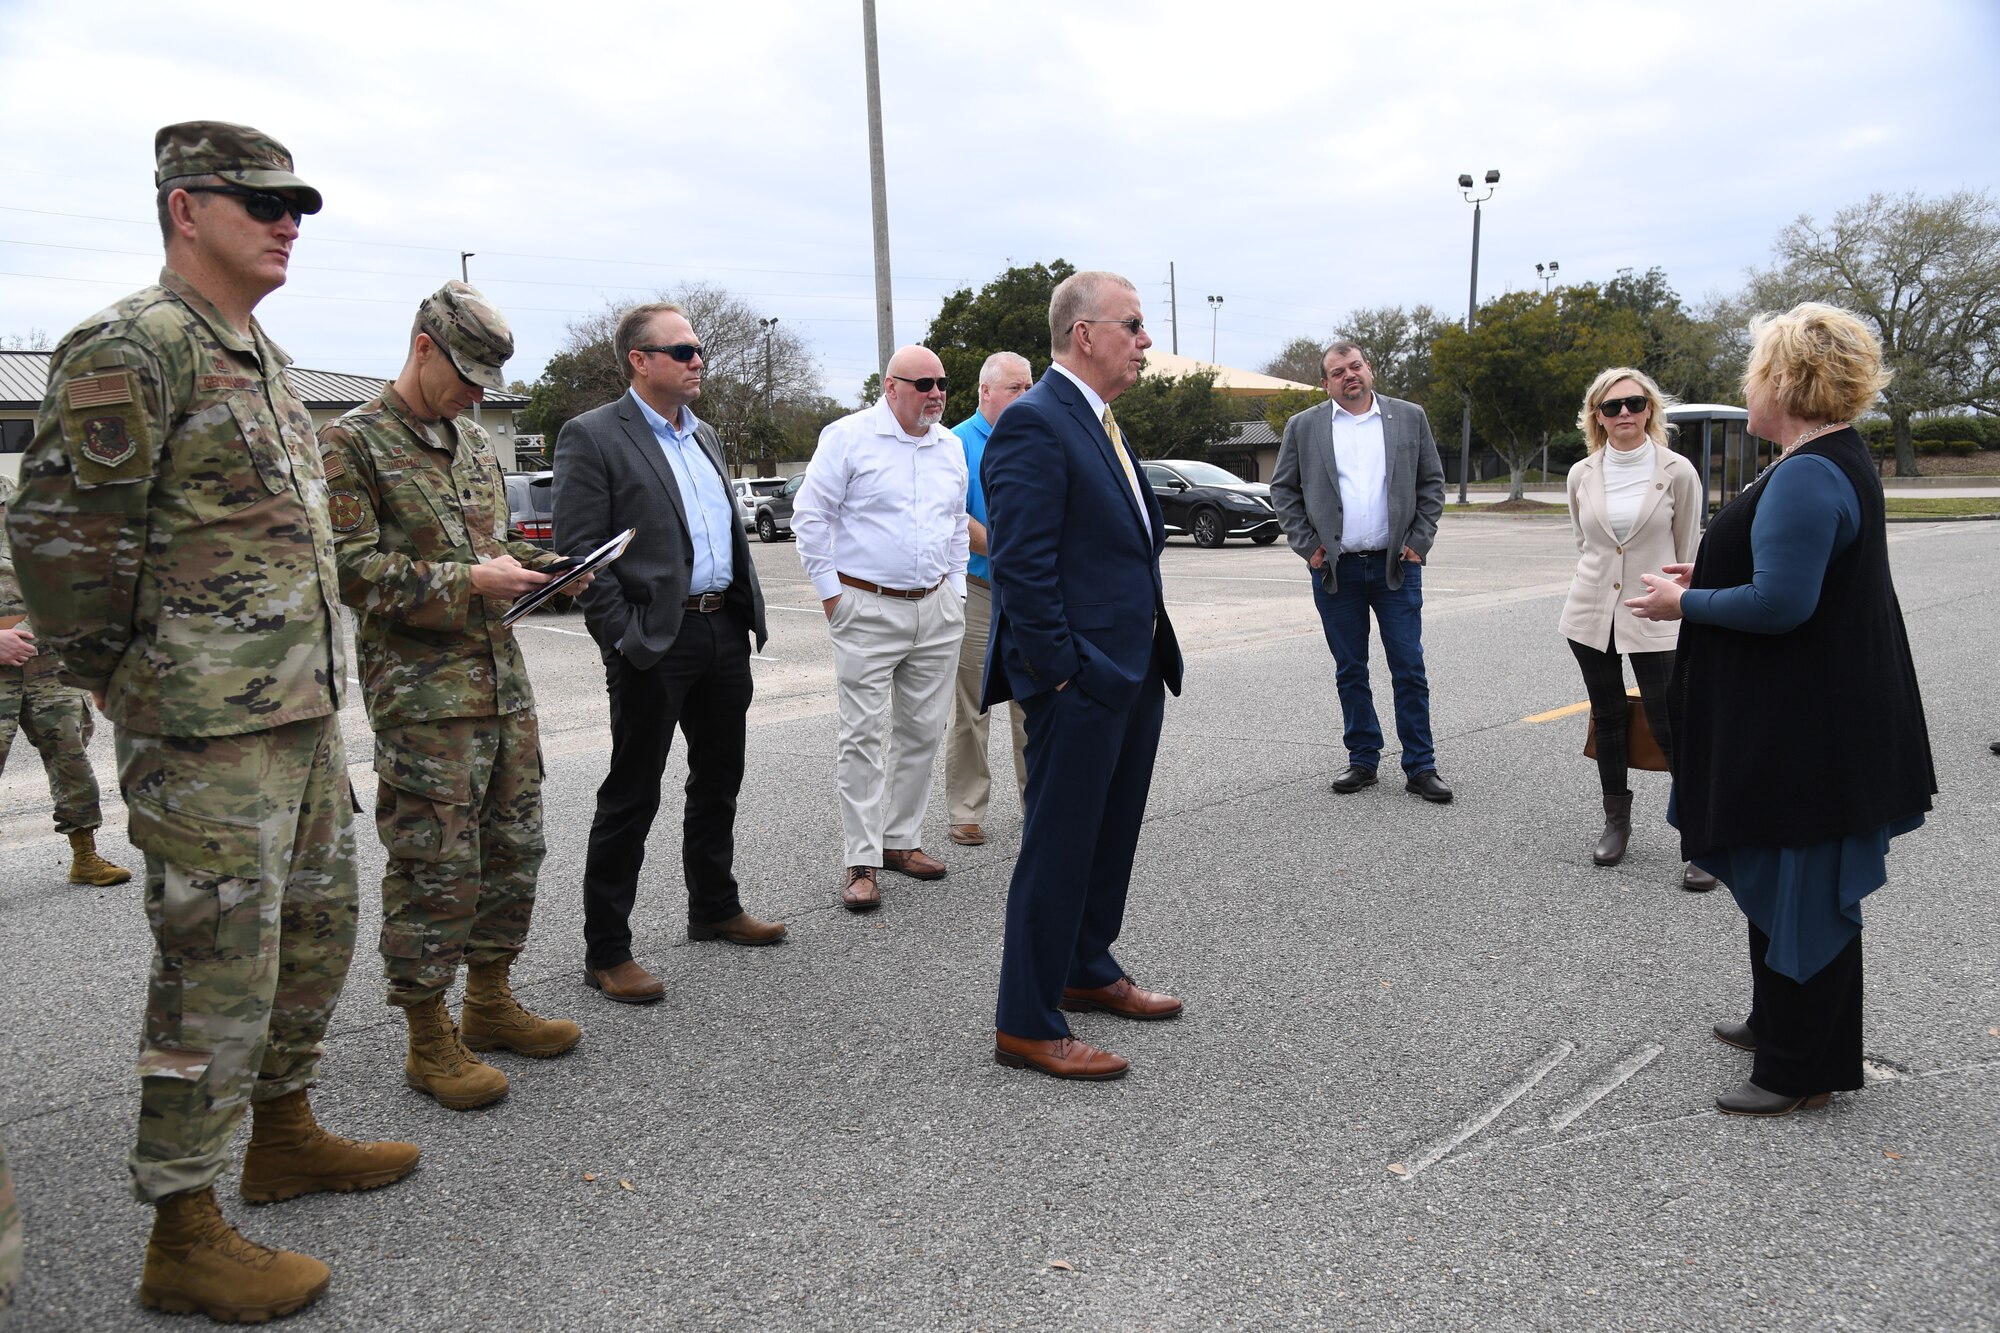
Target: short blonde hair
[
  {"x": 1820, "y": 362},
  {"x": 1592, "y": 427}
]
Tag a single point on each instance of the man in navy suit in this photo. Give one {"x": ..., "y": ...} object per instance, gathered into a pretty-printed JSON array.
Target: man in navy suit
[{"x": 1081, "y": 641}]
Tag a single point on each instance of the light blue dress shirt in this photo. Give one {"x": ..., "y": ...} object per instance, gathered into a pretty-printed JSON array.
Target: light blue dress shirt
[
  {"x": 974, "y": 432},
  {"x": 711, "y": 517}
]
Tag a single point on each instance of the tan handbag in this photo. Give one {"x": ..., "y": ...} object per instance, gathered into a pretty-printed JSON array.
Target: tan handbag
[{"x": 1641, "y": 749}]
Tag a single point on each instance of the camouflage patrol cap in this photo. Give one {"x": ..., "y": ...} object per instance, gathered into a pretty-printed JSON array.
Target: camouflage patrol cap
[
  {"x": 473, "y": 335},
  {"x": 237, "y": 153}
]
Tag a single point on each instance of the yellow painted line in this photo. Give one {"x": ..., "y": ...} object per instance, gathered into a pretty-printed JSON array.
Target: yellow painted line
[{"x": 1571, "y": 711}]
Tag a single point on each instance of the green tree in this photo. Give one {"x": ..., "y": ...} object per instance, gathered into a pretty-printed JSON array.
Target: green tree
[
  {"x": 1174, "y": 418},
  {"x": 1398, "y": 343},
  {"x": 1690, "y": 355},
  {"x": 1282, "y": 407},
  {"x": 871, "y": 389},
  {"x": 1527, "y": 362},
  {"x": 1302, "y": 359},
  {"x": 1926, "y": 274},
  {"x": 1008, "y": 314}
]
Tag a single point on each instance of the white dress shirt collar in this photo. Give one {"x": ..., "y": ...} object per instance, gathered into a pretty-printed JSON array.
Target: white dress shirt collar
[
  {"x": 1374, "y": 409},
  {"x": 1090, "y": 395}
]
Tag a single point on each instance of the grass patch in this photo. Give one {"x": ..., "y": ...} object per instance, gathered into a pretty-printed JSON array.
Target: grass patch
[{"x": 1941, "y": 506}]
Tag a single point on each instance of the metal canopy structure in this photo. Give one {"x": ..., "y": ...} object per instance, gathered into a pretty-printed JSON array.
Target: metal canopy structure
[{"x": 1716, "y": 438}]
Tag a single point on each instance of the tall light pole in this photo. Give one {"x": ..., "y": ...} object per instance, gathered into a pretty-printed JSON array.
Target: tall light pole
[
  {"x": 878, "y": 195},
  {"x": 1471, "y": 312},
  {"x": 767, "y": 325},
  {"x": 1214, "y": 318},
  {"x": 1547, "y": 273},
  {"x": 464, "y": 275}
]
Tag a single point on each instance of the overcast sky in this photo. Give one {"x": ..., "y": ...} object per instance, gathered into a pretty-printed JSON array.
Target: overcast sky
[{"x": 1297, "y": 159}]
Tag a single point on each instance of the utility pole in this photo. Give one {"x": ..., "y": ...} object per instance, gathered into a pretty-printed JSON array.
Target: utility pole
[
  {"x": 464, "y": 275},
  {"x": 1173, "y": 308},
  {"x": 878, "y": 183}
]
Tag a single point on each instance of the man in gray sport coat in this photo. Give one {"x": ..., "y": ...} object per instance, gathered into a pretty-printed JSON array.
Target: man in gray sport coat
[
  {"x": 673, "y": 618},
  {"x": 1358, "y": 489}
]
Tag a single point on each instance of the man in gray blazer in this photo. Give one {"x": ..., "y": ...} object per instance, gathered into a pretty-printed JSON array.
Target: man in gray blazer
[
  {"x": 673, "y": 618},
  {"x": 1358, "y": 489}
]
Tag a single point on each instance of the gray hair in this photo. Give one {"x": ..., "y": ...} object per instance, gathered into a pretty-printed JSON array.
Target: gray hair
[
  {"x": 632, "y": 327},
  {"x": 999, "y": 364},
  {"x": 1072, "y": 296}
]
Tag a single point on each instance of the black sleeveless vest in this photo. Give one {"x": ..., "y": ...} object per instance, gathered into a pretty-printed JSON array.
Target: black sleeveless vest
[{"x": 1783, "y": 740}]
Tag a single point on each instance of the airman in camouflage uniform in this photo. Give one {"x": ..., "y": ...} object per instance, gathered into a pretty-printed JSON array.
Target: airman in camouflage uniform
[
  {"x": 56, "y": 719},
  {"x": 172, "y": 543},
  {"x": 419, "y": 513}
]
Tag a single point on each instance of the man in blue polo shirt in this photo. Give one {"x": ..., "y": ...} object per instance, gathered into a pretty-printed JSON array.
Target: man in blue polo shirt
[{"x": 968, "y": 781}]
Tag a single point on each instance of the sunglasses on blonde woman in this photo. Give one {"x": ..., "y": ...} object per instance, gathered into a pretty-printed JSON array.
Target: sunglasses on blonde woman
[{"x": 1634, "y": 405}]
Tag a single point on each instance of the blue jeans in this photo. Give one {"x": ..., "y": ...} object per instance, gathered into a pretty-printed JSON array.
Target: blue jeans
[{"x": 1364, "y": 587}]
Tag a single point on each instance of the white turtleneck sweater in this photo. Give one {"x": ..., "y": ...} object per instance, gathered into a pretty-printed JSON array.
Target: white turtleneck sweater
[{"x": 1628, "y": 475}]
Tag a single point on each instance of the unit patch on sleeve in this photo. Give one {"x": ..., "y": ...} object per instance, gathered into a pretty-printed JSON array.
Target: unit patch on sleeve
[
  {"x": 345, "y": 511},
  {"x": 106, "y": 442}
]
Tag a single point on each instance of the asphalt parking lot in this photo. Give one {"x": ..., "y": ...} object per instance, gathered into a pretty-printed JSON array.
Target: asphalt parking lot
[{"x": 1437, "y": 1071}]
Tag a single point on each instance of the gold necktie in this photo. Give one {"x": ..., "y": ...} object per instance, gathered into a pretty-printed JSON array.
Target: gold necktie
[{"x": 1125, "y": 461}]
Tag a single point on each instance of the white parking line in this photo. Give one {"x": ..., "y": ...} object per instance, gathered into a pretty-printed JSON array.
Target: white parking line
[{"x": 551, "y": 629}]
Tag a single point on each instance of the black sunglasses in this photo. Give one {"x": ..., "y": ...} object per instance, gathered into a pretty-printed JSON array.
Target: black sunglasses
[
  {"x": 927, "y": 383},
  {"x": 681, "y": 352},
  {"x": 1134, "y": 326},
  {"x": 1636, "y": 404},
  {"x": 259, "y": 204}
]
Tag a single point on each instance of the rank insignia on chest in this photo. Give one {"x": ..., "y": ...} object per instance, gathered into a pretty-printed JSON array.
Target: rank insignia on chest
[
  {"x": 106, "y": 441},
  {"x": 345, "y": 511}
]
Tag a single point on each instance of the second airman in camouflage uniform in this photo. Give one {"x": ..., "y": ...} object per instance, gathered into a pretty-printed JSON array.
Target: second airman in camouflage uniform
[
  {"x": 419, "y": 513},
  {"x": 172, "y": 544},
  {"x": 55, "y": 717}
]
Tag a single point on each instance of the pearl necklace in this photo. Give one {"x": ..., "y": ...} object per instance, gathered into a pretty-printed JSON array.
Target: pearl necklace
[{"x": 1813, "y": 434}]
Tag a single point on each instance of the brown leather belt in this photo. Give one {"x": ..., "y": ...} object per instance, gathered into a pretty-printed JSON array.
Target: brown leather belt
[
  {"x": 907, "y": 594},
  {"x": 705, "y": 602},
  {"x": 9, "y": 622},
  {"x": 974, "y": 578}
]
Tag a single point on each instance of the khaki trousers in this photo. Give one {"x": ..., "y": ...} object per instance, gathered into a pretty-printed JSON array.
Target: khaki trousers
[
  {"x": 893, "y": 659},
  {"x": 968, "y": 777}
]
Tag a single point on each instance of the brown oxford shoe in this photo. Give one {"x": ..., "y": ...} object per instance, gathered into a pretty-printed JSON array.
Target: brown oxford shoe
[
  {"x": 912, "y": 861},
  {"x": 1065, "y": 1057},
  {"x": 627, "y": 983},
  {"x": 1696, "y": 880},
  {"x": 739, "y": 929},
  {"x": 1123, "y": 998},
  {"x": 968, "y": 835},
  {"x": 862, "y": 894}
]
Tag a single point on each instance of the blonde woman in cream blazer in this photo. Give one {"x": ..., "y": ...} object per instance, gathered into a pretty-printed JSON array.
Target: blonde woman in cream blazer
[{"x": 1634, "y": 507}]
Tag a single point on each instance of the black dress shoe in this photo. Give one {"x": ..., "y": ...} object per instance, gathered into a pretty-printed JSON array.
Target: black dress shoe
[
  {"x": 1696, "y": 880},
  {"x": 1738, "y": 1035},
  {"x": 1430, "y": 786},
  {"x": 1753, "y": 1100},
  {"x": 1993, "y": 746},
  {"x": 1353, "y": 778}
]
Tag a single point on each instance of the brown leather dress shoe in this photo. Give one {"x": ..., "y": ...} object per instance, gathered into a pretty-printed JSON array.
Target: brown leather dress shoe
[
  {"x": 1065, "y": 1057},
  {"x": 1696, "y": 880},
  {"x": 968, "y": 835},
  {"x": 739, "y": 929},
  {"x": 1123, "y": 998},
  {"x": 627, "y": 983},
  {"x": 912, "y": 861},
  {"x": 862, "y": 894}
]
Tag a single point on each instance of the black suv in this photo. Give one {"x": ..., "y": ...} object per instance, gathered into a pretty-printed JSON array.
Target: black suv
[
  {"x": 531, "y": 505},
  {"x": 774, "y": 511},
  {"x": 1211, "y": 504}
]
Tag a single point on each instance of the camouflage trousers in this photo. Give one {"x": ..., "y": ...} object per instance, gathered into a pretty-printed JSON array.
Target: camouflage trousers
[
  {"x": 250, "y": 891},
  {"x": 459, "y": 808},
  {"x": 10, "y": 1237},
  {"x": 56, "y": 720}
]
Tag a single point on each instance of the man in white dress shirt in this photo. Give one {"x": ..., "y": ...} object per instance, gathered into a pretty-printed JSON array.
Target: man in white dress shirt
[{"x": 881, "y": 527}]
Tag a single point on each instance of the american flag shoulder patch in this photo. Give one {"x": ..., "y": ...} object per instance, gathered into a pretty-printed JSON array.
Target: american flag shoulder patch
[{"x": 101, "y": 390}]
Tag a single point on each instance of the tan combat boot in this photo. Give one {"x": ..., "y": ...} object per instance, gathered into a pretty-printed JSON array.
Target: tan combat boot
[
  {"x": 87, "y": 867},
  {"x": 495, "y": 1020},
  {"x": 291, "y": 1155},
  {"x": 440, "y": 1065},
  {"x": 197, "y": 1261}
]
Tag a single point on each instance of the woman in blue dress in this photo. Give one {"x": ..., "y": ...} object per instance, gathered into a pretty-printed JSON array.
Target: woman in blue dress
[{"x": 1799, "y": 732}]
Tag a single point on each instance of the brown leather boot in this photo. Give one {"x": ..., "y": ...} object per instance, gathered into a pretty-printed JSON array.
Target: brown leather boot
[
  {"x": 291, "y": 1155},
  {"x": 87, "y": 867},
  {"x": 1617, "y": 830},
  {"x": 494, "y": 1019},
  {"x": 196, "y": 1261},
  {"x": 439, "y": 1064}
]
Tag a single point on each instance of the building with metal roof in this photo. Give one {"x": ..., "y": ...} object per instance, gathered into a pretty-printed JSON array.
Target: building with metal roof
[{"x": 24, "y": 379}]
